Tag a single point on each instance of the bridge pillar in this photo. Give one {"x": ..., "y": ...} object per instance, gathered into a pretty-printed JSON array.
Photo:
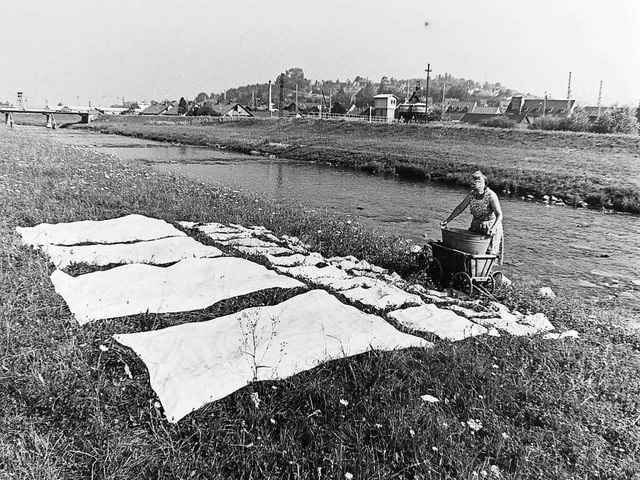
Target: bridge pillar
[
  {"x": 51, "y": 121},
  {"x": 85, "y": 118},
  {"x": 8, "y": 117}
]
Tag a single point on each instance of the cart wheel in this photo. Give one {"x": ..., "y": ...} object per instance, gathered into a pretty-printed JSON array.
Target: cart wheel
[
  {"x": 434, "y": 270},
  {"x": 490, "y": 283},
  {"x": 462, "y": 281}
]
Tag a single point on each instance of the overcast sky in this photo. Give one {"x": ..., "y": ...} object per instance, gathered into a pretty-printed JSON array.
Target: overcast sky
[{"x": 102, "y": 50}]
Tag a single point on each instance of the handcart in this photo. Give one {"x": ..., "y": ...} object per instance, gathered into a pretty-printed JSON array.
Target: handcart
[{"x": 461, "y": 270}]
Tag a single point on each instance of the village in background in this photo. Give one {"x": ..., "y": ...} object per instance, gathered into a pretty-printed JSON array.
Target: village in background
[{"x": 441, "y": 98}]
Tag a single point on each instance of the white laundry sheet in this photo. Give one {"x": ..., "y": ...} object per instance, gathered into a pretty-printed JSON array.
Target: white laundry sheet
[
  {"x": 264, "y": 251},
  {"x": 443, "y": 323},
  {"x": 218, "y": 231},
  {"x": 314, "y": 274},
  {"x": 155, "y": 252},
  {"x": 247, "y": 242},
  {"x": 288, "y": 260},
  {"x": 131, "y": 228},
  {"x": 348, "y": 283},
  {"x": 193, "y": 364},
  {"x": 352, "y": 263},
  {"x": 190, "y": 284},
  {"x": 518, "y": 324},
  {"x": 382, "y": 296}
]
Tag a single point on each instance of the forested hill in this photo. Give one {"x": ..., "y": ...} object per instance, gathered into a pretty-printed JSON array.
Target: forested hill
[{"x": 360, "y": 90}]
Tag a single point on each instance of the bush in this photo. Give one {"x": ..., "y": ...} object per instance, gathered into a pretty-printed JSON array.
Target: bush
[
  {"x": 577, "y": 122},
  {"x": 617, "y": 120},
  {"x": 498, "y": 122},
  {"x": 546, "y": 123}
]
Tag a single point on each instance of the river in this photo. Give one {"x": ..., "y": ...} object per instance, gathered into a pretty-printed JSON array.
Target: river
[{"x": 577, "y": 252}]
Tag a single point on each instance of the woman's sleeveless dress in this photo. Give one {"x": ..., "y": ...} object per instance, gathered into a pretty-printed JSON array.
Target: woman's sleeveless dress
[{"x": 483, "y": 219}]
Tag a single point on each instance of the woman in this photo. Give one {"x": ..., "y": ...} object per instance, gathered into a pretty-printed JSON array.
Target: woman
[{"x": 486, "y": 211}]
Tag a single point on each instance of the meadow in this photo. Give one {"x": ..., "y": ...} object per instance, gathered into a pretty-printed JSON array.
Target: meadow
[
  {"x": 510, "y": 407},
  {"x": 600, "y": 171}
]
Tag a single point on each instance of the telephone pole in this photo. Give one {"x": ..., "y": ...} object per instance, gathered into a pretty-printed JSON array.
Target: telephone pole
[
  {"x": 426, "y": 100},
  {"x": 569, "y": 95},
  {"x": 281, "y": 96},
  {"x": 599, "y": 98}
]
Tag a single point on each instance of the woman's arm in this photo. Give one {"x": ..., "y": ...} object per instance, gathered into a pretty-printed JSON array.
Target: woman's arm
[
  {"x": 497, "y": 210},
  {"x": 458, "y": 210}
]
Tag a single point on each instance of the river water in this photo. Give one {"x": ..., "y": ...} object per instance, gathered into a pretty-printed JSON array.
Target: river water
[{"x": 576, "y": 252}]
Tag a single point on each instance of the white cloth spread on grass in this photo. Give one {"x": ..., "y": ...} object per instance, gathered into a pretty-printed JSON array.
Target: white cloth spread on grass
[
  {"x": 518, "y": 324},
  {"x": 155, "y": 252},
  {"x": 193, "y": 364},
  {"x": 287, "y": 261},
  {"x": 190, "y": 284},
  {"x": 313, "y": 274},
  {"x": 131, "y": 228},
  {"x": 264, "y": 251},
  {"x": 247, "y": 242},
  {"x": 382, "y": 296},
  {"x": 348, "y": 283},
  {"x": 443, "y": 323}
]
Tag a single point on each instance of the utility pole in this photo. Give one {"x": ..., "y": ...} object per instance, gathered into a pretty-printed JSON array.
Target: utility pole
[
  {"x": 544, "y": 104},
  {"x": 599, "y": 98},
  {"x": 270, "y": 109},
  {"x": 569, "y": 95},
  {"x": 296, "y": 97},
  {"x": 281, "y": 96},
  {"x": 426, "y": 100}
]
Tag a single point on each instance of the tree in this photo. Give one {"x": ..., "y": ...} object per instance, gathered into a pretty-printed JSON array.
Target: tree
[
  {"x": 616, "y": 120},
  {"x": 365, "y": 95},
  {"x": 338, "y": 108},
  {"x": 383, "y": 85},
  {"x": 459, "y": 92},
  {"x": 342, "y": 97},
  {"x": 201, "y": 97},
  {"x": 183, "y": 106}
]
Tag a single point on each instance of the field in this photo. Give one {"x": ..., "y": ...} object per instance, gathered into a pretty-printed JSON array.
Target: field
[
  {"x": 511, "y": 408},
  {"x": 602, "y": 171}
]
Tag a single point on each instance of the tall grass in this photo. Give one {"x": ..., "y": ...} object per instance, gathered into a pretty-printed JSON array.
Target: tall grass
[{"x": 509, "y": 407}]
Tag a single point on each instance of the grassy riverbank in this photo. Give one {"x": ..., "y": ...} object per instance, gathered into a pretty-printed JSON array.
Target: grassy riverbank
[
  {"x": 580, "y": 168},
  {"x": 529, "y": 407}
]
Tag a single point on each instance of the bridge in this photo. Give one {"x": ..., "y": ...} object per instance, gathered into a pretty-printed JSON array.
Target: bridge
[{"x": 85, "y": 115}]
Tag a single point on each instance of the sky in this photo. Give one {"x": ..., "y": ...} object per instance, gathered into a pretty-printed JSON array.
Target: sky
[{"x": 101, "y": 51}]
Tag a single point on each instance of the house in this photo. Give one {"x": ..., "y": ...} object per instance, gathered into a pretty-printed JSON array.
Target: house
[
  {"x": 523, "y": 119},
  {"x": 172, "y": 109},
  {"x": 453, "y": 117},
  {"x": 594, "y": 112},
  {"x": 536, "y": 107},
  {"x": 487, "y": 110},
  {"x": 354, "y": 111},
  {"x": 229, "y": 109},
  {"x": 155, "y": 109},
  {"x": 384, "y": 105},
  {"x": 477, "y": 118},
  {"x": 457, "y": 106}
]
